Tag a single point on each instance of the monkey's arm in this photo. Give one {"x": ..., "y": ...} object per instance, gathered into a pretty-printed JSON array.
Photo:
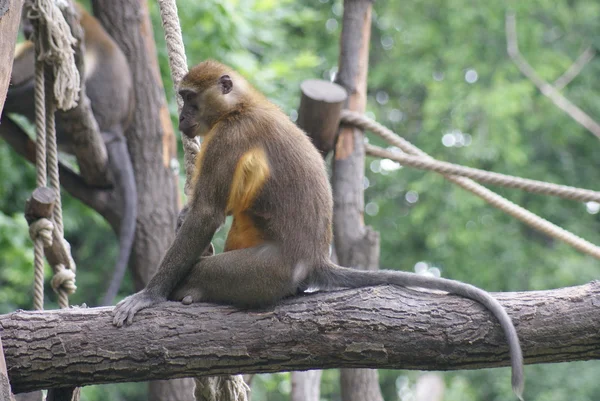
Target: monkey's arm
[
  {"x": 210, "y": 251},
  {"x": 192, "y": 239}
]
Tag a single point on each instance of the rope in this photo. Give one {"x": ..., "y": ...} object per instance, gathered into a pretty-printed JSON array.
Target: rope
[
  {"x": 231, "y": 388},
  {"x": 40, "y": 165},
  {"x": 492, "y": 198},
  {"x": 178, "y": 67},
  {"x": 54, "y": 46},
  {"x": 40, "y": 125},
  {"x": 488, "y": 177},
  {"x": 40, "y": 232},
  {"x": 53, "y": 162}
]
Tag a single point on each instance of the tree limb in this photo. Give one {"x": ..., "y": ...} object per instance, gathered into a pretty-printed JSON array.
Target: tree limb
[
  {"x": 575, "y": 68},
  {"x": 73, "y": 182},
  {"x": 581, "y": 117},
  {"x": 378, "y": 327}
]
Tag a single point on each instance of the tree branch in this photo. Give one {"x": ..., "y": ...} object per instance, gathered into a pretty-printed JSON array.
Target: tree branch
[
  {"x": 547, "y": 90},
  {"x": 378, "y": 327},
  {"x": 73, "y": 182},
  {"x": 575, "y": 68}
]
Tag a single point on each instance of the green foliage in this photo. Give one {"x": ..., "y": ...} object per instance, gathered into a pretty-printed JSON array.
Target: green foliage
[{"x": 439, "y": 75}]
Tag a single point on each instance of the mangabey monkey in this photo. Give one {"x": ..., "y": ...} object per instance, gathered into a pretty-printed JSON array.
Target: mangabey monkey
[
  {"x": 256, "y": 165},
  {"x": 109, "y": 87}
]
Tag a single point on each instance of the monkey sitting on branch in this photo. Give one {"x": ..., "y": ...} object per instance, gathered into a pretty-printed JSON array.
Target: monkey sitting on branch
[{"x": 256, "y": 165}]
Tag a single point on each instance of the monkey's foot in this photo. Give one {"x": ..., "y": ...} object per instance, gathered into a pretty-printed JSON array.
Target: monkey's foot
[{"x": 127, "y": 308}]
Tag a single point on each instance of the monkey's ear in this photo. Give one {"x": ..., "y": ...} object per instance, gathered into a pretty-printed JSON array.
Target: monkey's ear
[{"x": 226, "y": 84}]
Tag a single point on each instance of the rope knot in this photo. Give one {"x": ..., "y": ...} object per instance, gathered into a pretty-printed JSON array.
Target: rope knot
[
  {"x": 63, "y": 279},
  {"x": 54, "y": 43},
  {"x": 42, "y": 229}
]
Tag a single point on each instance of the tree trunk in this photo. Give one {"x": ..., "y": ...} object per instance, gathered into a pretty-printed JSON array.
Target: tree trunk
[
  {"x": 356, "y": 245},
  {"x": 10, "y": 17},
  {"x": 377, "y": 327},
  {"x": 306, "y": 386},
  {"x": 151, "y": 143}
]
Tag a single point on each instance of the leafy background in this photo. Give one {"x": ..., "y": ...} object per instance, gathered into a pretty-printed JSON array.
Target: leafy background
[{"x": 440, "y": 76}]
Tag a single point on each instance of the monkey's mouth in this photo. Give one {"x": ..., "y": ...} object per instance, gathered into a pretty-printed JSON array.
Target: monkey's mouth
[{"x": 190, "y": 131}]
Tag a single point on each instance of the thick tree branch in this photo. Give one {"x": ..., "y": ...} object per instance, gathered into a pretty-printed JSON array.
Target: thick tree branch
[
  {"x": 379, "y": 327},
  {"x": 70, "y": 180},
  {"x": 547, "y": 90}
]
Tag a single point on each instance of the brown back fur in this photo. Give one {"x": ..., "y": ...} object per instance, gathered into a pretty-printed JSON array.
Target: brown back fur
[{"x": 293, "y": 206}]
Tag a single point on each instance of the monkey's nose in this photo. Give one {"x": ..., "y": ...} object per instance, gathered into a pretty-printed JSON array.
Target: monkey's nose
[{"x": 181, "y": 118}]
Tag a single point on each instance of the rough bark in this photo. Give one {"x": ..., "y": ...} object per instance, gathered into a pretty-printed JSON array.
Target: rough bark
[
  {"x": 5, "y": 391},
  {"x": 150, "y": 137},
  {"x": 151, "y": 142},
  {"x": 10, "y": 17},
  {"x": 356, "y": 245},
  {"x": 378, "y": 327}
]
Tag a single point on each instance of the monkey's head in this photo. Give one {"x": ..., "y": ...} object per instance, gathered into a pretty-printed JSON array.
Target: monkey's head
[{"x": 210, "y": 91}]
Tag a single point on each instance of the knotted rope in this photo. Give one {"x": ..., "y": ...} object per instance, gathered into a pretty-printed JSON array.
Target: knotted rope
[
  {"x": 527, "y": 217},
  {"x": 54, "y": 47},
  {"x": 228, "y": 388}
]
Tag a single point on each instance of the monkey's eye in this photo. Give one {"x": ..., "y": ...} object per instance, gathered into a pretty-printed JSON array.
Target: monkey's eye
[{"x": 187, "y": 96}]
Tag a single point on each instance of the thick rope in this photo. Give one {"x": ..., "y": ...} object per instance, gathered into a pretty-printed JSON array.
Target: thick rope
[
  {"x": 40, "y": 166},
  {"x": 487, "y": 177},
  {"x": 228, "y": 388},
  {"x": 54, "y": 46},
  {"x": 40, "y": 124},
  {"x": 40, "y": 232},
  {"x": 53, "y": 162},
  {"x": 178, "y": 67},
  {"x": 529, "y": 218}
]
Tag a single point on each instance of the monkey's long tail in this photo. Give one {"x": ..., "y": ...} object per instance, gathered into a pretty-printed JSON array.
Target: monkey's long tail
[
  {"x": 125, "y": 183},
  {"x": 331, "y": 276}
]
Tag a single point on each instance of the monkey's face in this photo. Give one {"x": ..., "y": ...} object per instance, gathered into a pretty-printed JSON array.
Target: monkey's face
[
  {"x": 190, "y": 113},
  {"x": 203, "y": 107}
]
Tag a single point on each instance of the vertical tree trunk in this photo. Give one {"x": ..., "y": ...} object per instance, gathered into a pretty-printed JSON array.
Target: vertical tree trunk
[
  {"x": 306, "y": 386},
  {"x": 356, "y": 245},
  {"x": 151, "y": 142},
  {"x": 10, "y": 16}
]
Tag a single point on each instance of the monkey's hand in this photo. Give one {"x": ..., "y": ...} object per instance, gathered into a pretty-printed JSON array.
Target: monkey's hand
[{"x": 127, "y": 308}]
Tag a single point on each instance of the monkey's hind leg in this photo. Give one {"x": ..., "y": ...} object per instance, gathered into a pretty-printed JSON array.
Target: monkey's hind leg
[{"x": 251, "y": 277}]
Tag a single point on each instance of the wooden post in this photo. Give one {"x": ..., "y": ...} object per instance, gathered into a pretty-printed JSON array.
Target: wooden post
[
  {"x": 10, "y": 16},
  {"x": 355, "y": 244},
  {"x": 319, "y": 112}
]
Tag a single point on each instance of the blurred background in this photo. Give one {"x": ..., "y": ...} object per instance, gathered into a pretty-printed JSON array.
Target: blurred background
[{"x": 440, "y": 76}]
